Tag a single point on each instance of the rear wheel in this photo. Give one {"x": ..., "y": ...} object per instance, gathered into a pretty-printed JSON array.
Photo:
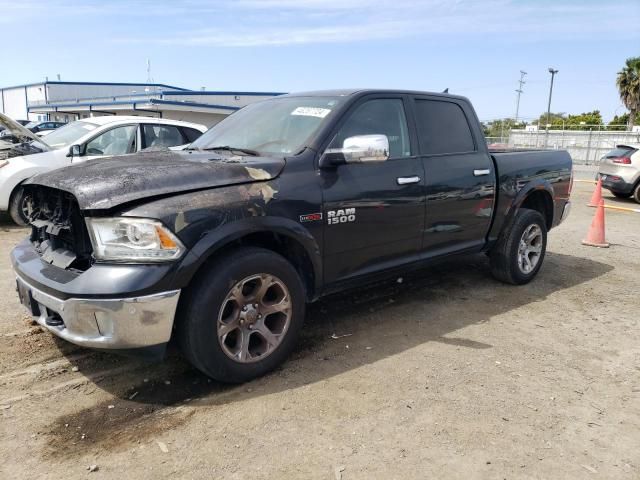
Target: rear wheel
[
  {"x": 518, "y": 255},
  {"x": 19, "y": 206},
  {"x": 242, "y": 316},
  {"x": 636, "y": 193}
]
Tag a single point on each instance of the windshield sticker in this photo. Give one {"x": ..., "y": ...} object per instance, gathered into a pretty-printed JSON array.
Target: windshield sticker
[{"x": 311, "y": 112}]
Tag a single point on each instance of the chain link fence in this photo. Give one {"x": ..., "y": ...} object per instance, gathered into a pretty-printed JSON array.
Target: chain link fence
[{"x": 585, "y": 147}]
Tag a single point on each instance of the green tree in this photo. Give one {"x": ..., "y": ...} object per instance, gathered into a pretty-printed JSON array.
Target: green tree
[
  {"x": 584, "y": 121},
  {"x": 628, "y": 83},
  {"x": 620, "y": 122},
  {"x": 556, "y": 120},
  {"x": 501, "y": 127}
]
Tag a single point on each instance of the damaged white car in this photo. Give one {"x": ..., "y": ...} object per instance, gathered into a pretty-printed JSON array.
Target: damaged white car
[{"x": 79, "y": 141}]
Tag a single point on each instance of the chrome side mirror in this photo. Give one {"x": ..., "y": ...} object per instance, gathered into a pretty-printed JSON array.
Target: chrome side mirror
[{"x": 357, "y": 149}]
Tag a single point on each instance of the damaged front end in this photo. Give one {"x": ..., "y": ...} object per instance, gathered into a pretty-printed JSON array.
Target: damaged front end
[{"x": 58, "y": 231}]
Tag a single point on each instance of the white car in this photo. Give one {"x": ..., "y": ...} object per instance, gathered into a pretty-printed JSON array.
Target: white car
[{"x": 84, "y": 140}]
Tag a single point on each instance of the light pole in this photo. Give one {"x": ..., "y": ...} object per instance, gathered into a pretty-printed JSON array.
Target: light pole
[
  {"x": 519, "y": 91},
  {"x": 553, "y": 73}
]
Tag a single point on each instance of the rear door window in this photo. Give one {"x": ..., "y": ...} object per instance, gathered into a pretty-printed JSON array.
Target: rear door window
[
  {"x": 162, "y": 136},
  {"x": 442, "y": 128}
]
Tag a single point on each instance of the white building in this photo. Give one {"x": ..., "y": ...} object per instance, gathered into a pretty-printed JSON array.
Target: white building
[{"x": 69, "y": 101}]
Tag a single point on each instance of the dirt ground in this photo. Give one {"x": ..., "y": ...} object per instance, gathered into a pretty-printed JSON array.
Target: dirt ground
[{"x": 448, "y": 374}]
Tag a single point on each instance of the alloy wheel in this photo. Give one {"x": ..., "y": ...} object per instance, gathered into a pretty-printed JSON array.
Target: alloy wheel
[
  {"x": 254, "y": 318},
  {"x": 530, "y": 248}
]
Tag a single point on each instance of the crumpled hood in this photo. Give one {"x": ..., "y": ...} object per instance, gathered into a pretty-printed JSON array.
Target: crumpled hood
[{"x": 106, "y": 183}]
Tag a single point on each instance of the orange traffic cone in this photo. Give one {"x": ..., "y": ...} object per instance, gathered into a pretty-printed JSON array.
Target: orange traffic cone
[
  {"x": 595, "y": 236},
  {"x": 597, "y": 194}
]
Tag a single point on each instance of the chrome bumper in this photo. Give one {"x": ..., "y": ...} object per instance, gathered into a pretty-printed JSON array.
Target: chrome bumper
[{"x": 120, "y": 323}]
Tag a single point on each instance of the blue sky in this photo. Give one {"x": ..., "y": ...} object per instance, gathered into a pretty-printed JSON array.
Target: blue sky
[{"x": 475, "y": 48}]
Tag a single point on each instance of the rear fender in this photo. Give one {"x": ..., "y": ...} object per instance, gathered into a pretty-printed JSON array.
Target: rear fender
[{"x": 524, "y": 192}]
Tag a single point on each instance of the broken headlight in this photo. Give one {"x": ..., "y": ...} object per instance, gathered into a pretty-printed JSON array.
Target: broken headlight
[{"x": 133, "y": 240}]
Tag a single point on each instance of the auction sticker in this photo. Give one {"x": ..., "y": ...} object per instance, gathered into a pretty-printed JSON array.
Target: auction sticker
[{"x": 311, "y": 112}]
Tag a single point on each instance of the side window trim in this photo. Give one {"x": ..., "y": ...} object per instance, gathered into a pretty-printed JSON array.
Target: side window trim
[
  {"x": 143, "y": 137},
  {"x": 415, "y": 99}
]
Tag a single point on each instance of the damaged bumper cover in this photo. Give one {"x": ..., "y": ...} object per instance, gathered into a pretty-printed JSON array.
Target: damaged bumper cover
[{"x": 85, "y": 308}]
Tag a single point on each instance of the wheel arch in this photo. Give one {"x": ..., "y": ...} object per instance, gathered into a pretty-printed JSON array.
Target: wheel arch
[
  {"x": 282, "y": 236},
  {"x": 15, "y": 180},
  {"x": 542, "y": 201},
  {"x": 537, "y": 195}
]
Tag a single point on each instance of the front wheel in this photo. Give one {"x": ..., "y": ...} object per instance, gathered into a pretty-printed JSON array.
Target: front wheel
[
  {"x": 242, "y": 316},
  {"x": 19, "y": 207},
  {"x": 518, "y": 255}
]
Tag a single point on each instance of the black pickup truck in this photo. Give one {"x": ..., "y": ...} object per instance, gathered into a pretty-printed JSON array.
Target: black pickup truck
[{"x": 220, "y": 246}]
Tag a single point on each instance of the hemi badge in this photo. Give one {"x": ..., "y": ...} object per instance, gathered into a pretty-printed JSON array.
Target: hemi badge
[{"x": 311, "y": 217}]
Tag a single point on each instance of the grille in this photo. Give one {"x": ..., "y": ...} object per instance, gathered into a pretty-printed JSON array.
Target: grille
[{"x": 58, "y": 231}]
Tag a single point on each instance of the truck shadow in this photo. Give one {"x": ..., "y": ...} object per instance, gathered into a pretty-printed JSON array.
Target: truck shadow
[{"x": 344, "y": 332}]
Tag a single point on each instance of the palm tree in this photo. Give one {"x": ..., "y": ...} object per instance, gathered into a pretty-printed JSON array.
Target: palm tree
[{"x": 628, "y": 83}]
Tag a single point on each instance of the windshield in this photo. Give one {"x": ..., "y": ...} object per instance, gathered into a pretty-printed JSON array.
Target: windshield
[
  {"x": 69, "y": 134},
  {"x": 279, "y": 126},
  {"x": 31, "y": 124}
]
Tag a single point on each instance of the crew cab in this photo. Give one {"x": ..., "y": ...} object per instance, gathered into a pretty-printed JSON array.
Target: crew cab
[
  {"x": 79, "y": 141},
  {"x": 220, "y": 247}
]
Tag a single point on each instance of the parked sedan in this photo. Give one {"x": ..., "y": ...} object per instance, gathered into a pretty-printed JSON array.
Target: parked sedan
[
  {"x": 620, "y": 171},
  {"x": 84, "y": 140},
  {"x": 43, "y": 128}
]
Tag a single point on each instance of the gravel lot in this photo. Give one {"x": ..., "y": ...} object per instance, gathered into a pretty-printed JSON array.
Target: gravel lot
[{"x": 448, "y": 374}]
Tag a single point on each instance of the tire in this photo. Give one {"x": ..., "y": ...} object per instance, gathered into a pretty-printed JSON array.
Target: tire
[
  {"x": 636, "y": 193},
  {"x": 621, "y": 195},
  {"x": 211, "y": 307},
  {"x": 506, "y": 258},
  {"x": 17, "y": 206}
]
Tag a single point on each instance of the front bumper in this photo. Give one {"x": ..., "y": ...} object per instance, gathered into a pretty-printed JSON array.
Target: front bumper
[
  {"x": 128, "y": 307},
  {"x": 114, "y": 323}
]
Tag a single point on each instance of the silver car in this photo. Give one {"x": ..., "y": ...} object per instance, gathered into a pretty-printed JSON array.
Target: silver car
[{"x": 620, "y": 171}]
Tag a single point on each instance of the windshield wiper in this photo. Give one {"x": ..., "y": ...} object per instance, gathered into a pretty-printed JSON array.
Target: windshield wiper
[{"x": 227, "y": 148}]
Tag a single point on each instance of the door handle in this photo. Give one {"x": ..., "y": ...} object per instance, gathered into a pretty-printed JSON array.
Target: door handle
[
  {"x": 481, "y": 172},
  {"x": 408, "y": 180}
]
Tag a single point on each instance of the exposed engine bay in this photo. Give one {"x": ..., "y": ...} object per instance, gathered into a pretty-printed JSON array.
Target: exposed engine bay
[{"x": 58, "y": 231}]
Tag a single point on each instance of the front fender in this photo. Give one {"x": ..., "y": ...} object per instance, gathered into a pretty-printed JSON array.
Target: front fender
[
  {"x": 11, "y": 178},
  {"x": 214, "y": 240}
]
